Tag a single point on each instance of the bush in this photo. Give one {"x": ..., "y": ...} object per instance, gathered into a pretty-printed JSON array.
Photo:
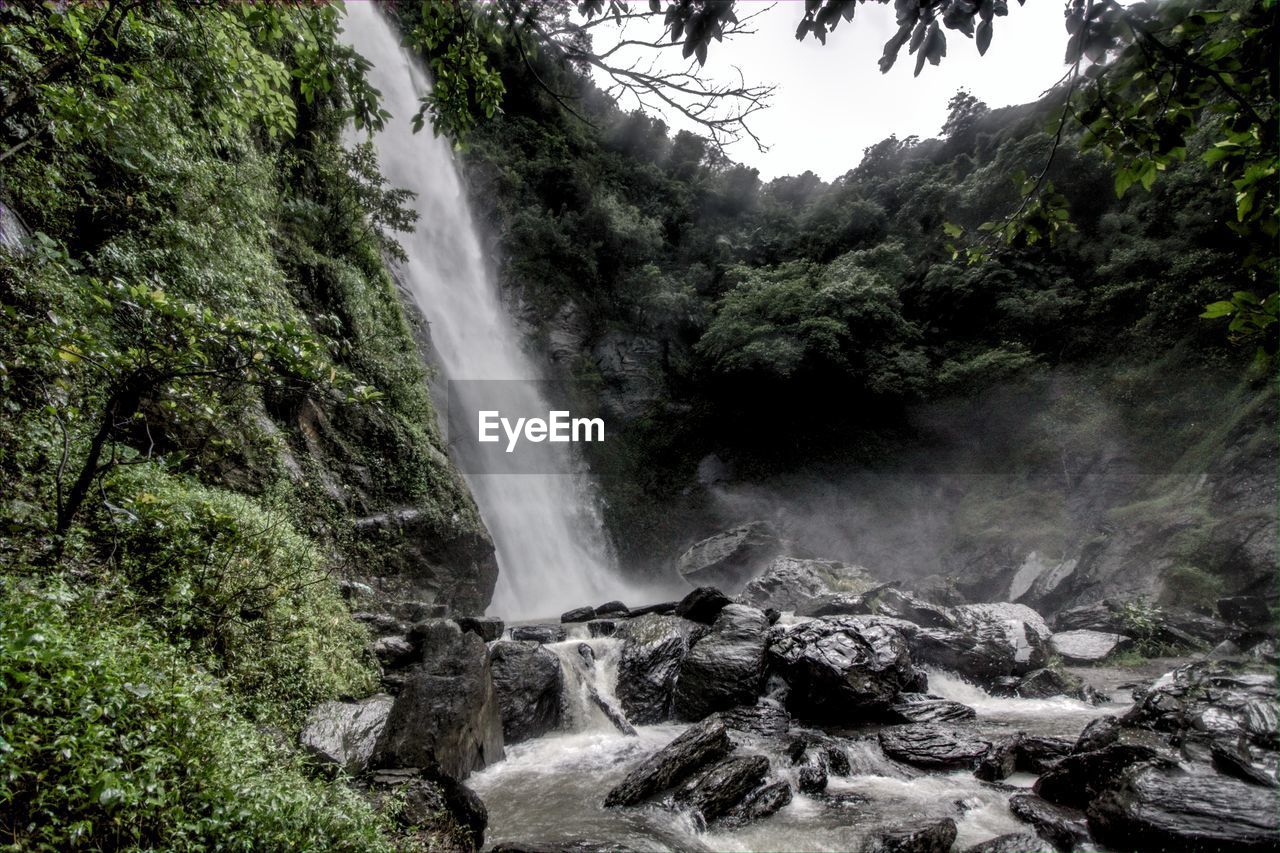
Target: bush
[
  {"x": 109, "y": 740},
  {"x": 215, "y": 570}
]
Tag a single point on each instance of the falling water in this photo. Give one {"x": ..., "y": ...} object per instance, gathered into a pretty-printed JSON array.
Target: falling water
[{"x": 547, "y": 528}]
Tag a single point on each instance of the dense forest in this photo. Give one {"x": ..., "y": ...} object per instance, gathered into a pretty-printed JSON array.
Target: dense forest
[{"x": 228, "y": 499}]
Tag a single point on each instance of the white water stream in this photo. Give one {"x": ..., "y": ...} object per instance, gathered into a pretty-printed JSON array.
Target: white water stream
[{"x": 552, "y": 551}]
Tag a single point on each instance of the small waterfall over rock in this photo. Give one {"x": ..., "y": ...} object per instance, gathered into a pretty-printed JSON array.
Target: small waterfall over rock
[
  {"x": 547, "y": 528},
  {"x": 590, "y": 675}
]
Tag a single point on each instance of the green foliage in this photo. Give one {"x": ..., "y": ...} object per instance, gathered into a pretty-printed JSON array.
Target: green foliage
[
  {"x": 109, "y": 741},
  {"x": 464, "y": 85},
  {"x": 1142, "y": 622},
  {"x": 1192, "y": 587}
]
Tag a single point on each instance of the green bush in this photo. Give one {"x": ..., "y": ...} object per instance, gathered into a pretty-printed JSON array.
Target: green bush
[
  {"x": 236, "y": 582},
  {"x": 109, "y": 740}
]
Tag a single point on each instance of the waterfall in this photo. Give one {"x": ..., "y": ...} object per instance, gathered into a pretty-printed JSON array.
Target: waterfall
[{"x": 547, "y": 528}]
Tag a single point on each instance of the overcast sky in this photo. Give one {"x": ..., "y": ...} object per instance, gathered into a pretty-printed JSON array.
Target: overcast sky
[{"x": 832, "y": 101}]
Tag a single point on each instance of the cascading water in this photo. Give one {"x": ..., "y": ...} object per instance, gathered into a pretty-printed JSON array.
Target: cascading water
[{"x": 547, "y": 528}]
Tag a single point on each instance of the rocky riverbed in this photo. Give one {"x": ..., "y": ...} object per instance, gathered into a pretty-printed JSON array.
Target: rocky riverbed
[{"x": 820, "y": 709}]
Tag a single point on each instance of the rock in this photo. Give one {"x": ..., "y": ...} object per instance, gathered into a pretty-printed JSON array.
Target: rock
[
  {"x": 664, "y": 608},
  {"x": 1225, "y": 650},
  {"x": 487, "y": 628},
  {"x": 345, "y": 733},
  {"x": 923, "y": 708},
  {"x": 381, "y": 624},
  {"x": 1045, "y": 683},
  {"x": 731, "y": 558},
  {"x": 772, "y": 615},
  {"x": 447, "y": 714},
  {"x": 529, "y": 684},
  {"x": 602, "y": 627},
  {"x": 1265, "y": 652},
  {"x": 1210, "y": 700},
  {"x": 812, "y": 779},
  {"x": 795, "y": 584},
  {"x": 1087, "y": 647},
  {"x": 392, "y": 651},
  {"x": 759, "y": 804},
  {"x": 1037, "y": 753},
  {"x": 703, "y": 605},
  {"x": 1001, "y": 762},
  {"x": 1100, "y": 732},
  {"x": 766, "y": 720},
  {"x": 539, "y": 633},
  {"x": 837, "y": 669},
  {"x": 897, "y": 604},
  {"x": 1066, "y": 828},
  {"x": 431, "y": 801},
  {"x": 613, "y": 608},
  {"x": 653, "y": 648},
  {"x": 933, "y": 747},
  {"x": 578, "y": 614},
  {"x": 1018, "y": 842},
  {"x": 1157, "y": 809},
  {"x": 416, "y": 611},
  {"x": 1077, "y": 778},
  {"x": 990, "y": 641},
  {"x": 1234, "y": 759},
  {"x": 355, "y": 590},
  {"x": 937, "y": 589},
  {"x": 723, "y": 785},
  {"x": 696, "y": 747},
  {"x": 933, "y": 836},
  {"x": 1248, "y": 611},
  {"x": 725, "y": 667}
]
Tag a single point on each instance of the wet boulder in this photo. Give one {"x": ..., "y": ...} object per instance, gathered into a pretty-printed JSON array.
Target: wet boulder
[
  {"x": 693, "y": 749},
  {"x": 653, "y": 648},
  {"x": 539, "y": 633},
  {"x": 1247, "y": 611},
  {"x": 731, "y": 558},
  {"x": 703, "y": 605},
  {"x": 930, "y": 836},
  {"x": 923, "y": 708},
  {"x": 1075, "y": 779},
  {"x": 578, "y": 614},
  {"x": 1158, "y": 809},
  {"x": 989, "y": 641},
  {"x": 840, "y": 670},
  {"x": 1017, "y": 842},
  {"x": 1088, "y": 647},
  {"x": 487, "y": 628},
  {"x": 1037, "y": 753},
  {"x": 764, "y": 719},
  {"x": 1046, "y": 683},
  {"x": 602, "y": 627},
  {"x": 447, "y": 714},
  {"x": 1236, "y": 759},
  {"x": 764, "y": 801},
  {"x": 616, "y": 609},
  {"x": 725, "y": 667},
  {"x": 795, "y": 583},
  {"x": 716, "y": 790},
  {"x": 345, "y": 733},
  {"x": 933, "y": 747},
  {"x": 423, "y": 801},
  {"x": 1001, "y": 762},
  {"x": 1211, "y": 700},
  {"x": 529, "y": 683},
  {"x": 664, "y": 608},
  {"x": 893, "y": 602},
  {"x": 1066, "y": 828}
]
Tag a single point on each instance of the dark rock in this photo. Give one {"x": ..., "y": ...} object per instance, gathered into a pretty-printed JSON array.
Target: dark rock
[
  {"x": 696, "y": 747},
  {"x": 578, "y": 614},
  {"x": 613, "y": 608},
  {"x": 725, "y": 667},
  {"x": 381, "y": 624},
  {"x": 759, "y": 804},
  {"x": 933, "y": 747},
  {"x": 392, "y": 651},
  {"x": 837, "y": 604},
  {"x": 1045, "y": 683},
  {"x": 1088, "y": 647},
  {"x": 1158, "y": 809},
  {"x": 795, "y": 584},
  {"x": 1234, "y": 759},
  {"x": 539, "y": 633},
  {"x": 1225, "y": 650},
  {"x": 355, "y": 590},
  {"x": 1248, "y": 611},
  {"x": 1066, "y": 828},
  {"x": 703, "y": 605},
  {"x": 1037, "y": 753},
  {"x": 529, "y": 684},
  {"x": 1100, "y": 732},
  {"x": 990, "y": 641},
  {"x": 923, "y": 708},
  {"x": 487, "y": 628},
  {"x": 937, "y": 589},
  {"x": 723, "y": 785},
  {"x": 447, "y": 714},
  {"x": 416, "y": 611},
  {"x": 587, "y": 654},
  {"x": 602, "y": 627},
  {"x": 935, "y": 836},
  {"x": 653, "y": 647},
  {"x": 764, "y": 719},
  {"x": 813, "y": 779},
  {"x": 345, "y": 733},
  {"x": 895, "y": 603},
  {"x": 1001, "y": 762},
  {"x": 731, "y": 558},
  {"x": 424, "y": 800},
  {"x": 837, "y": 669},
  {"x": 772, "y": 615},
  {"x": 1211, "y": 700},
  {"x": 1018, "y": 842},
  {"x": 664, "y": 608},
  {"x": 1079, "y": 777}
]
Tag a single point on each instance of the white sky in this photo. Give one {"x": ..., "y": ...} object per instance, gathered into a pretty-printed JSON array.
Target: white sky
[{"x": 832, "y": 101}]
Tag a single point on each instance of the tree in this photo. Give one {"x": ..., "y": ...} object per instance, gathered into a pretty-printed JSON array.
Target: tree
[{"x": 963, "y": 111}]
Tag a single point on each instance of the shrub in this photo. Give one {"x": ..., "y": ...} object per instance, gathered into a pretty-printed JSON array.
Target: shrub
[{"x": 109, "y": 740}]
